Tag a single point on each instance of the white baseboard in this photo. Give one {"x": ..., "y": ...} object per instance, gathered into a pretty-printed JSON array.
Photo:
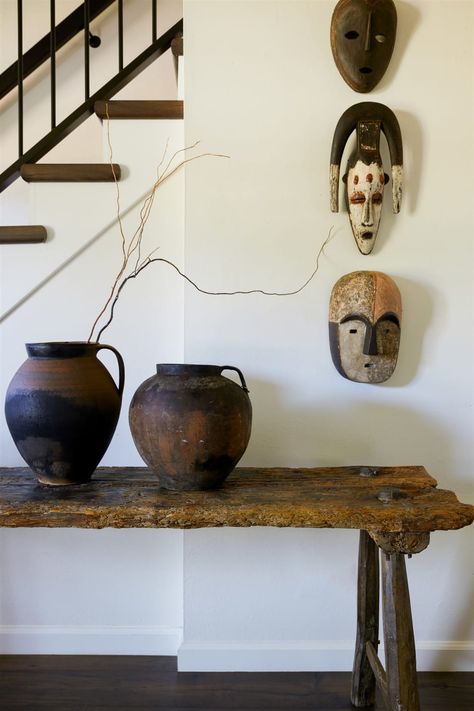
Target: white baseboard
[
  {"x": 321, "y": 655},
  {"x": 84, "y": 639}
]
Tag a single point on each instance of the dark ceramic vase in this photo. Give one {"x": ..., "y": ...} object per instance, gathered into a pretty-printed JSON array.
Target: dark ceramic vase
[
  {"x": 62, "y": 408},
  {"x": 191, "y": 425}
]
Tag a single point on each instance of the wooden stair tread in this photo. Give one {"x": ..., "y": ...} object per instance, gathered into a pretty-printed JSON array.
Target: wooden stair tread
[
  {"x": 177, "y": 46},
  {"x": 164, "y": 109},
  {"x": 69, "y": 172},
  {"x": 22, "y": 234}
]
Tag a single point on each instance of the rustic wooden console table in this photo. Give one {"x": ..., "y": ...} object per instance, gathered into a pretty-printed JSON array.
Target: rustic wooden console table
[{"x": 395, "y": 509}]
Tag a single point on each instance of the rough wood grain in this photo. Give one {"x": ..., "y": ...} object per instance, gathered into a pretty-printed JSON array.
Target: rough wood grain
[
  {"x": 335, "y": 497},
  {"x": 378, "y": 671},
  {"x": 363, "y": 676},
  {"x": 165, "y": 109},
  {"x": 402, "y": 541},
  {"x": 400, "y": 656}
]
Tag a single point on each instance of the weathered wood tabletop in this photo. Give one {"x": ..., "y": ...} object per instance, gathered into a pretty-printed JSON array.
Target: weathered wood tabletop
[
  {"x": 395, "y": 508},
  {"x": 383, "y": 499}
]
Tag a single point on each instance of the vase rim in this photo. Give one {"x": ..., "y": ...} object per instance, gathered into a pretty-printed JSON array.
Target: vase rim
[
  {"x": 187, "y": 369},
  {"x": 54, "y": 349}
]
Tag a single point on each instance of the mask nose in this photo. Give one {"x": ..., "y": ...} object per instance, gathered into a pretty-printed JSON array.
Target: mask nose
[
  {"x": 367, "y": 215},
  {"x": 368, "y": 32},
  {"x": 370, "y": 341}
]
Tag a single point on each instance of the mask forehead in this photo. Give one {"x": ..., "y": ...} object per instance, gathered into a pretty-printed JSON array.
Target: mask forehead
[
  {"x": 366, "y": 294},
  {"x": 365, "y": 178},
  {"x": 362, "y": 40}
]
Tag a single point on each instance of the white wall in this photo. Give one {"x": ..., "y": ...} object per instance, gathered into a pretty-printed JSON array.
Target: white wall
[
  {"x": 105, "y": 591},
  {"x": 261, "y": 86}
]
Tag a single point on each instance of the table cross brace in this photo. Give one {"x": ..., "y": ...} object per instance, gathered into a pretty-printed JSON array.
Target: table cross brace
[{"x": 398, "y": 683}]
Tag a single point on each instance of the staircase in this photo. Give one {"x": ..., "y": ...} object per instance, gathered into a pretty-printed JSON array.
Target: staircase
[{"x": 76, "y": 24}]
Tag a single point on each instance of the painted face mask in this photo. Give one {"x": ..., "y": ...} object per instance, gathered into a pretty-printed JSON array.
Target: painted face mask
[
  {"x": 365, "y": 314},
  {"x": 365, "y": 178},
  {"x": 362, "y": 40}
]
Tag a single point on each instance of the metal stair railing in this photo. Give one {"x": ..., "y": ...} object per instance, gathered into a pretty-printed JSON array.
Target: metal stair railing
[{"x": 57, "y": 37}]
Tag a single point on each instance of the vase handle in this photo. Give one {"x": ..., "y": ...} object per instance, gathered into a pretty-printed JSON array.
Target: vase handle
[
  {"x": 121, "y": 365},
  {"x": 241, "y": 375}
]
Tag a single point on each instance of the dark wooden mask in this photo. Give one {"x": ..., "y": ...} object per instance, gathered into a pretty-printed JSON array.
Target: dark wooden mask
[
  {"x": 365, "y": 314},
  {"x": 362, "y": 40}
]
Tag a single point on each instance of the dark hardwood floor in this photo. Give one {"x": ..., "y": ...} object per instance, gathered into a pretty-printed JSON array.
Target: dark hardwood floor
[{"x": 92, "y": 683}]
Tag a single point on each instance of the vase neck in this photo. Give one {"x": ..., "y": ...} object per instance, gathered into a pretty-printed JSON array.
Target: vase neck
[{"x": 187, "y": 370}]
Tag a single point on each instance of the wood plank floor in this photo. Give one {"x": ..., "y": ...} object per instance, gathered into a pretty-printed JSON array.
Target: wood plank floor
[{"x": 94, "y": 683}]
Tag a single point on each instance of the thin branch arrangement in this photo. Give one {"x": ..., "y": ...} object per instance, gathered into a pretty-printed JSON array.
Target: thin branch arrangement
[
  {"x": 150, "y": 260},
  {"x": 132, "y": 249}
]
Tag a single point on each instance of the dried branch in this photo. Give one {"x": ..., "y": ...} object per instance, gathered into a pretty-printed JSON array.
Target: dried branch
[
  {"x": 135, "y": 242},
  {"x": 149, "y": 261}
]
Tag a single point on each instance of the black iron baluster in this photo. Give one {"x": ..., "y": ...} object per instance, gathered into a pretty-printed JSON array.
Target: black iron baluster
[
  {"x": 154, "y": 33},
  {"x": 83, "y": 111},
  {"x": 120, "y": 34},
  {"x": 53, "y": 61},
  {"x": 20, "y": 76},
  {"x": 86, "y": 50}
]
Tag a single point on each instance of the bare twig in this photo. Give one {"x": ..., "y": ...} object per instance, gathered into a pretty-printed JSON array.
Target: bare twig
[
  {"x": 149, "y": 261},
  {"x": 135, "y": 243}
]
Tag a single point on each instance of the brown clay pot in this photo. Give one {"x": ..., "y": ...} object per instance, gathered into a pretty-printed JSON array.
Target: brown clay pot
[
  {"x": 191, "y": 425},
  {"x": 62, "y": 408}
]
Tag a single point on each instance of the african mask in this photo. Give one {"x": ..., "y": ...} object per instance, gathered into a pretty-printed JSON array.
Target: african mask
[
  {"x": 365, "y": 313},
  {"x": 362, "y": 40},
  {"x": 365, "y": 178}
]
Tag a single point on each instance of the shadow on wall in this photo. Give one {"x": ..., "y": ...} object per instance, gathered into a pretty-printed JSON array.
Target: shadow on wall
[
  {"x": 462, "y": 627},
  {"x": 41, "y": 284},
  {"x": 440, "y": 602},
  {"x": 408, "y": 19},
  {"x": 417, "y": 313},
  {"x": 328, "y": 435},
  {"x": 413, "y": 158}
]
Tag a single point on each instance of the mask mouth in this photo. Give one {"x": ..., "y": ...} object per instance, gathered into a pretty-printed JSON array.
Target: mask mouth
[
  {"x": 365, "y": 70},
  {"x": 369, "y": 365},
  {"x": 366, "y": 235}
]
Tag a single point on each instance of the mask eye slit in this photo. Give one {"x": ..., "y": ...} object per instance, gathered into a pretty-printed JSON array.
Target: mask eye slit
[
  {"x": 352, "y": 34},
  {"x": 353, "y": 330}
]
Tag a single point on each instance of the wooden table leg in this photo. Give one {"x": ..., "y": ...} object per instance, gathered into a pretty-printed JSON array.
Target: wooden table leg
[
  {"x": 400, "y": 657},
  {"x": 363, "y": 679}
]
